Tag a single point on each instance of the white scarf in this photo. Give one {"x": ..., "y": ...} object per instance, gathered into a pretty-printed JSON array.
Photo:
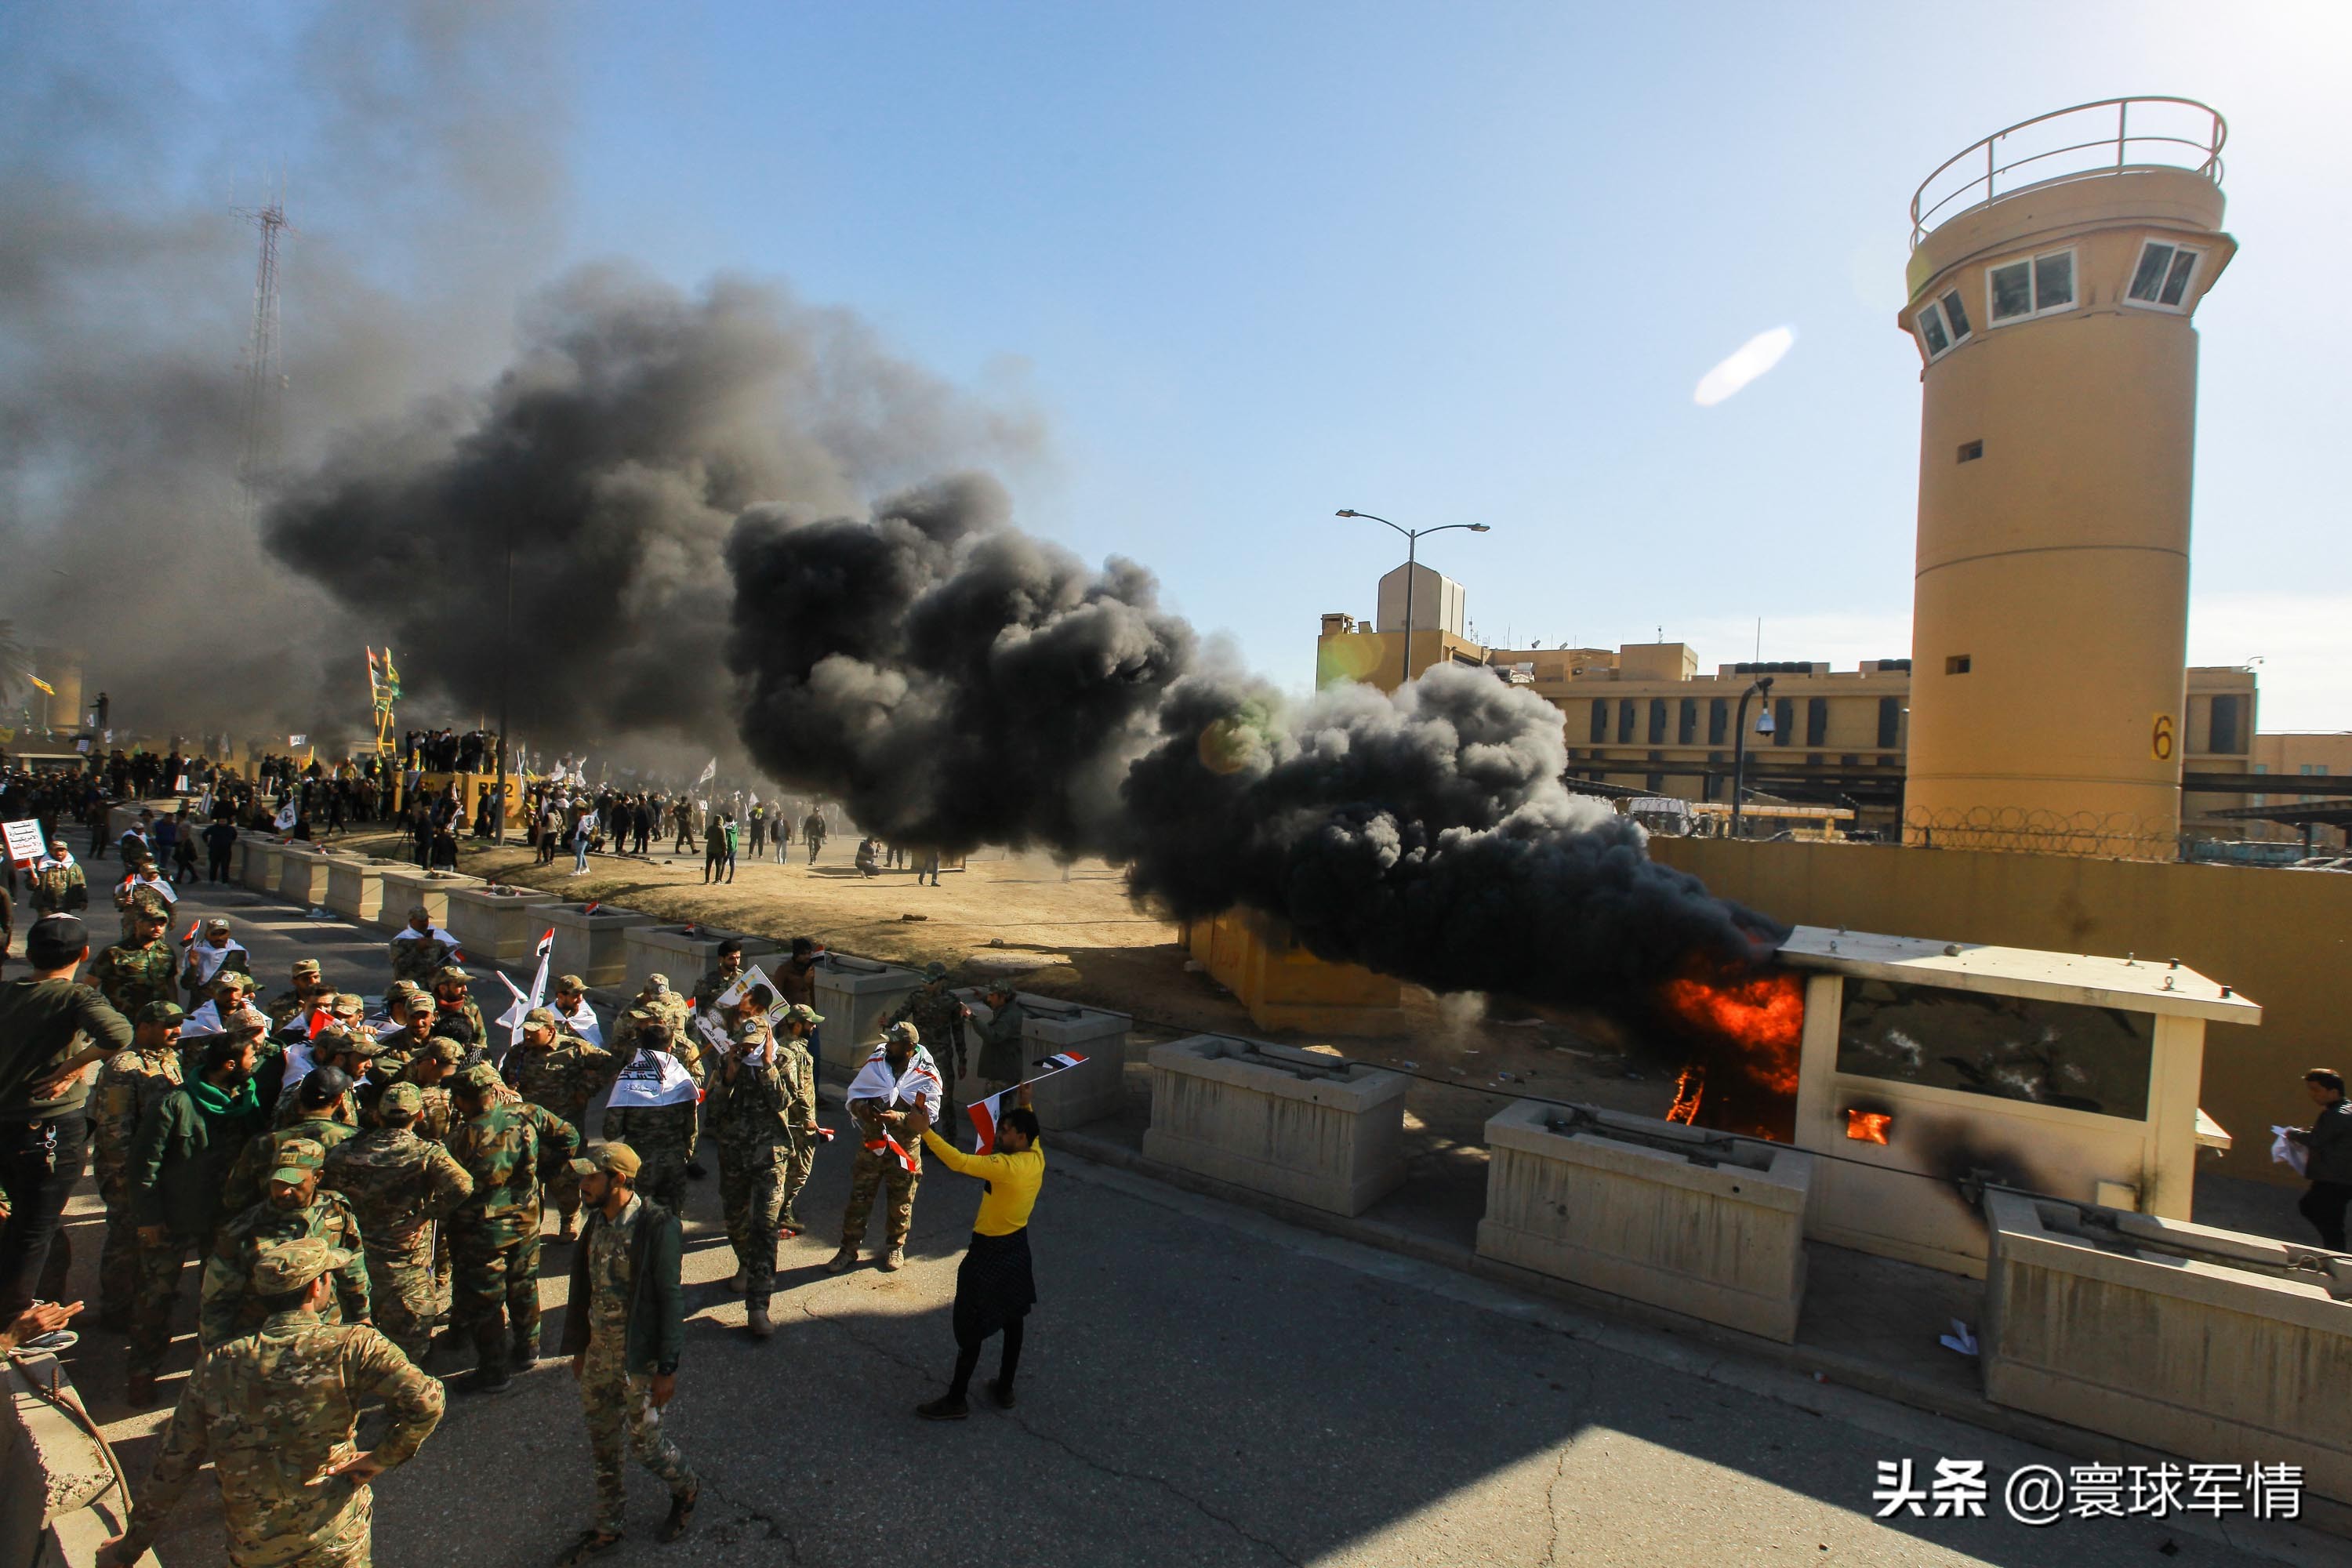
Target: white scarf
[
  {"x": 410, "y": 933},
  {"x": 582, "y": 1022},
  {"x": 918, "y": 1084},
  {"x": 208, "y": 958},
  {"x": 66, "y": 861},
  {"x": 171, "y": 896},
  {"x": 653, "y": 1077}
]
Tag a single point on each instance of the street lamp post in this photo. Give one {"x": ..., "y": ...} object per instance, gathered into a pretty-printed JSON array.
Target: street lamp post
[
  {"x": 1411, "y": 548},
  {"x": 1760, "y": 686}
]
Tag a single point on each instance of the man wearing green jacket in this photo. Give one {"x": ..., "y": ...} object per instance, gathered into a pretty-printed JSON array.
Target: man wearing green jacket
[
  {"x": 180, "y": 1161},
  {"x": 623, "y": 1330}
]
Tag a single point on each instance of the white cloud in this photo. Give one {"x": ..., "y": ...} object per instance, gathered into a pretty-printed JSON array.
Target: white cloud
[{"x": 1748, "y": 361}]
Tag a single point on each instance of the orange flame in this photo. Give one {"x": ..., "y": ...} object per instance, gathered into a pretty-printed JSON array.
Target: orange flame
[
  {"x": 1688, "y": 1087},
  {"x": 1764, "y": 1015},
  {"x": 1868, "y": 1126}
]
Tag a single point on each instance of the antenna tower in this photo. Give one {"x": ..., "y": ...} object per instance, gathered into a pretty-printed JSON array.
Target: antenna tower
[{"x": 264, "y": 381}]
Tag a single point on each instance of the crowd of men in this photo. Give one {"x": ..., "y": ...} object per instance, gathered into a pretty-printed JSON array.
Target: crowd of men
[{"x": 362, "y": 1184}]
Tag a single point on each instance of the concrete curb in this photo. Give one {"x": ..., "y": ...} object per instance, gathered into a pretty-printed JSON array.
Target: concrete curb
[{"x": 1821, "y": 1365}]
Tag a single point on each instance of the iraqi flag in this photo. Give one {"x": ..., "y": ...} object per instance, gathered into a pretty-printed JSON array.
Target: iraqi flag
[{"x": 986, "y": 1113}]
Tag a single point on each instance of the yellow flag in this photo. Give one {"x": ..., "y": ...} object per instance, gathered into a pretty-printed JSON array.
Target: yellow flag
[
  {"x": 46, "y": 689},
  {"x": 7, "y": 734}
]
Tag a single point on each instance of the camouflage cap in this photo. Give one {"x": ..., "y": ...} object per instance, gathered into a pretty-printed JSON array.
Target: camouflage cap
[
  {"x": 903, "y": 1033},
  {"x": 935, "y": 970},
  {"x": 617, "y": 1159},
  {"x": 160, "y": 1013},
  {"x": 446, "y": 973},
  {"x": 481, "y": 1077},
  {"x": 218, "y": 924},
  {"x": 802, "y": 1013},
  {"x": 400, "y": 1100},
  {"x": 415, "y": 910},
  {"x": 402, "y": 990},
  {"x": 442, "y": 1048},
  {"x": 570, "y": 983},
  {"x": 539, "y": 1016},
  {"x": 284, "y": 1266},
  {"x": 232, "y": 980},
  {"x": 306, "y": 966},
  {"x": 655, "y": 985},
  {"x": 297, "y": 1158}
]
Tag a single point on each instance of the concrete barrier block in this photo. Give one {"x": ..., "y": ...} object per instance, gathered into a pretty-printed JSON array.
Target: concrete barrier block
[
  {"x": 500, "y": 925},
  {"x": 1093, "y": 1089},
  {"x": 356, "y": 887},
  {"x": 1314, "y": 1129},
  {"x": 302, "y": 876},
  {"x": 855, "y": 994},
  {"x": 264, "y": 858},
  {"x": 49, "y": 1466},
  {"x": 683, "y": 952},
  {"x": 592, "y": 944},
  {"x": 1651, "y": 1210},
  {"x": 2206, "y": 1343},
  {"x": 405, "y": 889}
]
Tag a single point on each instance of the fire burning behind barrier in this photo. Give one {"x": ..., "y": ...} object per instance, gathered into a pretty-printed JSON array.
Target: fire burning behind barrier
[
  {"x": 1868, "y": 1126},
  {"x": 1741, "y": 1036}
]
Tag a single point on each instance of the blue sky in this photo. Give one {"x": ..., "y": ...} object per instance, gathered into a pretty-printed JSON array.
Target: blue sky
[{"x": 1466, "y": 262}]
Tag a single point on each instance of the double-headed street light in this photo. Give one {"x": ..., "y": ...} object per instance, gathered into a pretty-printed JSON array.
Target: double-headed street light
[
  {"x": 1760, "y": 686},
  {"x": 1412, "y": 545}
]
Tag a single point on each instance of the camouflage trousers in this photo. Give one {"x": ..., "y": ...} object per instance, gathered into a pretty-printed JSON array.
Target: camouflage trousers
[
  {"x": 118, "y": 1267},
  {"x": 871, "y": 1172},
  {"x": 663, "y": 1136},
  {"x": 799, "y": 1160},
  {"x": 158, "y": 1298},
  {"x": 401, "y": 1299},
  {"x": 751, "y": 1190},
  {"x": 619, "y": 1407},
  {"x": 494, "y": 1295}
]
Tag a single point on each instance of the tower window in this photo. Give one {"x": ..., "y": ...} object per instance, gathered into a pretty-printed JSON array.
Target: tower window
[
  {"x": 2163, "y": 275},
  {"x": 1955, "y": 664},
  {"x": 1943, "y": 324},
  {"x": 1970, "y": 451},
  {"x": 2031, "y": 285}
]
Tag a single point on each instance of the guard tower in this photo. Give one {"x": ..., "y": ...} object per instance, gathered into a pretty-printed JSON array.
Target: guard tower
[{"x": 2055, "y": 267}]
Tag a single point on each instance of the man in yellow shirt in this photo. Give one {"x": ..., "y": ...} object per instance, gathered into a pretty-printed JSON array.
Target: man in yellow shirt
[{"x": 995, "y": 1288}]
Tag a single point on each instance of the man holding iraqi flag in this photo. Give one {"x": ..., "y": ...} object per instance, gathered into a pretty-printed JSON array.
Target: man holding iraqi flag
[{"x": 995, "y": 1285}]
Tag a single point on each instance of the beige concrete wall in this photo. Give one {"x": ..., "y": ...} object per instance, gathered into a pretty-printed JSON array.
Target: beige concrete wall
[
  {"x": 2282, "y": 938},
  {"x": 1301, "y": 1126}
]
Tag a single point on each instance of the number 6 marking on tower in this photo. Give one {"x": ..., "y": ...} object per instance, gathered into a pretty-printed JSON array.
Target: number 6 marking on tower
[{"x": 2160, "y": 745}]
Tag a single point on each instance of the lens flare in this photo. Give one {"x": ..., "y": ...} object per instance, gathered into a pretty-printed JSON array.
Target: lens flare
[{"x": 1746, "y": 362}]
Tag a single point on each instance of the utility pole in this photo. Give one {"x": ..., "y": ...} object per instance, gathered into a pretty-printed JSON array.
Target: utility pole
[{"x": 264, "y": 380}]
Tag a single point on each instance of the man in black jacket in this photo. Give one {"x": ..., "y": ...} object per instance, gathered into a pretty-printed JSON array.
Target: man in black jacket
[
  {"x": 624, "y": 1330},
  {"x": 2327, "y": 1148}
]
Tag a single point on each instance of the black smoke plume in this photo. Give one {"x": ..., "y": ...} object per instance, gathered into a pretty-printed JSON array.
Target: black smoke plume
[{"x": 957, "y": 683}]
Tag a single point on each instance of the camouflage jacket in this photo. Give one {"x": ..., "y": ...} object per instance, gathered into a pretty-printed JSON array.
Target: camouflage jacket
[
  {"x": 707, "y": 991},
  {"x": 397, "y": 1183},
  {"x": 226, "y": 1306},
  {"x": 633, "y": 1019},
  {"x": 131, "y": 977},
  {"x": 419, "y": 958},
  {"x": 565, "y": 1077},
  {"x": 499, "y": 1150},
  {"x": 128, "y": 1084},
  {"x": 249, "y": 1177},
  {"x": 285, "y": 1005},
  {"x": 938, "y": 1016},
  {"x": 747, "y": 1112},
  {"x": 272, "y": 1411},
  {"x": 1003, "y": 1050},
  {"x": 463, "y": 1025},
  {"x": 60, "y": 890}
]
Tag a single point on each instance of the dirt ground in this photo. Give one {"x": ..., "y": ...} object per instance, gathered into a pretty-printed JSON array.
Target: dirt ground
[{"x": 1080, "y": 938}]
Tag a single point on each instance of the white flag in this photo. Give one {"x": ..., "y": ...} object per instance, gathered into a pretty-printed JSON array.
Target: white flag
[
  {"x": 512, "y": 1017},
  {"x": 709, "y": 772}
]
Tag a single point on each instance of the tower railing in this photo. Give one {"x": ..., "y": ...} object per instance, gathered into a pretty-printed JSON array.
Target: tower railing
[{"x": 2114, "y": 148}]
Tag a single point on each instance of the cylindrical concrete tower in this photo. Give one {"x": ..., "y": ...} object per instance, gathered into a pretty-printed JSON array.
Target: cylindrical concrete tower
[{"x": 2051, "y": 303}]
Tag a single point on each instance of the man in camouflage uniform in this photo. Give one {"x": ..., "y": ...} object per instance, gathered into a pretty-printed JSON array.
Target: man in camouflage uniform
[
  {"x": 939, "y": 1015},
  {"x": 275, "y": 1411},
  {"x": 141, "y": 968},
  {"x": 723, "y": 974},
  {"x": 625, "y": 1332},
  {"x": 401, "y": 1186},
  {"x": 430, "y": 1070},
  {"x": 1002, "y": 1060},
  {"x": 494, "y": 1234},
  {"x": 59, "y": 885},
  {"x": 754, "y": 1133},
  {"x": 563, "y": 1074},
  {"x": 322, "y": 1103},
  {"x": 142, "y": 890},
  {"x": 455, "y": 1015},
  {"x": 295, "y": 1208},
  {"x": 797, "y": 1067},
  {"x": 309, "y": 990},
  {"x": 128, "y": 1084},
  {"x": 420, "y": 948},
  {"x": 211, "y": 955},
  {"x": 662, "y": 1135},
  {"x": 900, "y": 1118}
]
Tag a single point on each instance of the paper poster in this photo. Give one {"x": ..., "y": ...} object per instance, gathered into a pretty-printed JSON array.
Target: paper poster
[{"x": 25, "y": 845}]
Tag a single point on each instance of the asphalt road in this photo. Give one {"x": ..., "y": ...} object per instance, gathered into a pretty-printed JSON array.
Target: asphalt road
[{"x": 1202, "y": 1384}]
